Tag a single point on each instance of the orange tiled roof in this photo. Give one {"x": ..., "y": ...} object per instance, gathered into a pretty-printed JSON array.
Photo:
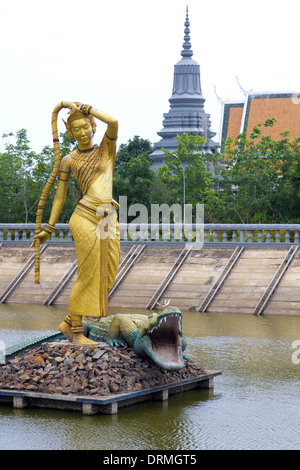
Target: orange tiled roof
[
  {"x": 258, "y": 107},
  {"x": 232, "y": 119}
]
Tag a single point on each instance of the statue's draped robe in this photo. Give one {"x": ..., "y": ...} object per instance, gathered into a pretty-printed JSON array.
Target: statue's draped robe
[{"x": 95, "y": 230}]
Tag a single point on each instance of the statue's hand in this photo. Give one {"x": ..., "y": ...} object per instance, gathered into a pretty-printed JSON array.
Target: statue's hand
[
  {"x": 78, "y": 104},
  {"x": 85, "y": 108},
  {"x": 42, "y": 237}
]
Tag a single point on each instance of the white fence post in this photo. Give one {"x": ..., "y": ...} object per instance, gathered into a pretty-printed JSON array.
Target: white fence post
[{"x": 210, "y": 234}]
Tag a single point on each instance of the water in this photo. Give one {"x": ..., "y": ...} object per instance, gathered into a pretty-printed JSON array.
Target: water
[{"x": 254, "y": 404}]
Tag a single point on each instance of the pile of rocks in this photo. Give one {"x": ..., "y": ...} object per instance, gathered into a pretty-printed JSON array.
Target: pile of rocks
[{"x": 64, "y": 368}]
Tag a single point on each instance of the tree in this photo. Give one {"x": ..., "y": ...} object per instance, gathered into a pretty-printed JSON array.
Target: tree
[
  {"x": 23, "y": 175},
  {"x": 133, "y": 176},
  {"x": 133, "y": 149},
  {"x": 189, "y": 174},
  {"x": 259, "y": 178},
  {"x": 287, "y": 203},
  {"x": 16, "y": 166}
]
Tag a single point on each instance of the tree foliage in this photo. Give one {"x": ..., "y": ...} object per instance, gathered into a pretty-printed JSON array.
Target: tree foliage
[
  {"x": 260, "y": 178},
  {"x": 255, "y": 179},
  {"x": 133, "y": 176},
  {"x": 134, "y": 148},
  {"x": 23, "y": 175},
  {"x": 189, "y": 174}
]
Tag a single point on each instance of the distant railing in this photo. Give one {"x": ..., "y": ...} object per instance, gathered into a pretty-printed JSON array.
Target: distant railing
[{"x": 207, "y": 234}]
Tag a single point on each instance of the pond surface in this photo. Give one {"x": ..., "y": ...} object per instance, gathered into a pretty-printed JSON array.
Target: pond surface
[{"x": 254, "y": 404}]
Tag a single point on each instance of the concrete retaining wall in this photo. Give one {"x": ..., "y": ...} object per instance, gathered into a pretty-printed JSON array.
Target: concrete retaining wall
[{"x": 213, "y": 279}]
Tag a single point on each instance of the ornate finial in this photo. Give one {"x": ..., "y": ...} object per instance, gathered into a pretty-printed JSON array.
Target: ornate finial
[
  {"x": 245, "y": 92},
  {"x": 186, "y": 51},
  {"x": 218, "y": 97}
]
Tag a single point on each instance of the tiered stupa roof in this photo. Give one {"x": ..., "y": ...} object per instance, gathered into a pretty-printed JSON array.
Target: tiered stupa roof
[{"x": 186, "y": 114}]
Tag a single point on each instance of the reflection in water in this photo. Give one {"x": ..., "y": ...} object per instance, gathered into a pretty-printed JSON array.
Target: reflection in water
[{"x": 254, "y": 405}]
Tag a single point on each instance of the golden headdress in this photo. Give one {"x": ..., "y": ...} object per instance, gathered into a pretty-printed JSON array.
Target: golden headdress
[{"x": 75, "y": 115}]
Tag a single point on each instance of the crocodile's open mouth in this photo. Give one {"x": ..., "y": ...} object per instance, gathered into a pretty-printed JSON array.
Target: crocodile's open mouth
[{"x": 164, "y": 343}]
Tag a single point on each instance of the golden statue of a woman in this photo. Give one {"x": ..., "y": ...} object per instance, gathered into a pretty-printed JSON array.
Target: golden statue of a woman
[{"x": 94, "y": 222}]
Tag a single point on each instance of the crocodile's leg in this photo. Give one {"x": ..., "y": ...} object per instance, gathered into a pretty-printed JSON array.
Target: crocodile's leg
[{"x": 121, "y": 327}]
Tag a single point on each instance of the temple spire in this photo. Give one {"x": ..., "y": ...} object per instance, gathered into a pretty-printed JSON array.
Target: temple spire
[
  {"x": 186, "y": 51},
  {"x": 186, "y": 113}
]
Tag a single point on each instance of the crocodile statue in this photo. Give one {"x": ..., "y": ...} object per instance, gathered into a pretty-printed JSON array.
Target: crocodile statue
[{"x": 157, "y": 336}]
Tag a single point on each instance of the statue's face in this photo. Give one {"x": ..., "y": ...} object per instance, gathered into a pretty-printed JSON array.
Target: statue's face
[{"x": 83, "y": 133}]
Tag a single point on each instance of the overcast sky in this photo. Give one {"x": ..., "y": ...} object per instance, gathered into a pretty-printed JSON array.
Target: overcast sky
[{"x": 119, "y": 56}]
